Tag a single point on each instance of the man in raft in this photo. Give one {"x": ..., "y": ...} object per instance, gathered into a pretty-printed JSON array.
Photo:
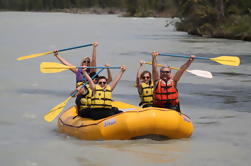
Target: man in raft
[
  {"x": 165, "y": 93},
  {"x": 100, "y": 96}
]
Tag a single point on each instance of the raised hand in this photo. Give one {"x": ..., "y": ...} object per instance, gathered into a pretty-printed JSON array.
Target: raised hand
[
  {"x": 95, "y": 44},
  {"x": 142, "y": 62},
  {"x": 123, "y": 68},
  {"x": 154, "y": 54},
  {"x": 107, "y": 65},
  {"x": 55, "y": 52}
]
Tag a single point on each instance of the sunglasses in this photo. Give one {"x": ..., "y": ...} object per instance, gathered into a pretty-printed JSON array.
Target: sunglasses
[
  {"x": 101, "y": 82},
  {"x": 147, "y": 77},
  {"x": 86, "y": 62},
  {"x": 165, "y": 72}
]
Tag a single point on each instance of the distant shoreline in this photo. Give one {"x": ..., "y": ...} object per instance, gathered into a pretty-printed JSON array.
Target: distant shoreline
[{"x": 122, "y": 13}]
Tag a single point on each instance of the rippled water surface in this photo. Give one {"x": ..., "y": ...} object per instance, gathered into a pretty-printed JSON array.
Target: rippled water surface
[{"x": 220, "y": 107}]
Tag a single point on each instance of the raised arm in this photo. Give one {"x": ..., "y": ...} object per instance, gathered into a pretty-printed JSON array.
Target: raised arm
[
  {"x": 115, "y": 82},
  {"x": 93, "y": 59},
  {"x": 80, "y": 90},
  {"x": 63, "y": 61},
  {"x": 91, "y": 83},
  {"x": 183, "y": 68},
  {"x": 154, "y": 67},
  {"x": 109, "y": 74},
  {"x": 138, "y": 75}
]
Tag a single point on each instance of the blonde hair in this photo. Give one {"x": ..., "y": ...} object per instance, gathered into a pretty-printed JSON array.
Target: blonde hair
[{"x": 85, "y": 58}]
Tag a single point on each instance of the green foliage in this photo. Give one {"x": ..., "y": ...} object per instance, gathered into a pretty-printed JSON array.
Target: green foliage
[
  {"x": 238, "y": 27},
  {"x": 141, "y": 8},
  {"x": 218, "y": 18},
  {"x": 57, "y": 4}
]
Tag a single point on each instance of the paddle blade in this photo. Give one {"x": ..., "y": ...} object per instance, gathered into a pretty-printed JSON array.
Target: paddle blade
[
  {"x": 52, "y": 67},
  {"x": 227, "y": 60},
  {"x": 33, "y": 55},
  {"x": 55, "y": 111},
  {"x": 201, "y": 73}
]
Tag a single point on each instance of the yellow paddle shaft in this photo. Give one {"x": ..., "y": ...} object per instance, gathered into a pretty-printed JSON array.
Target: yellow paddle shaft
[{"x": 159, "y": 65}]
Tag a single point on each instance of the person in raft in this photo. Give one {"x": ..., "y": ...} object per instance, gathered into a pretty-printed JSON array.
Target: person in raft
[
  {"x": 87, "y": 61},
  {"x": 84, "y": 95},
  {"x": 165, "y": 94},
  {"x": 101, "y": 97},
  {"x": 144, "y": 85}
]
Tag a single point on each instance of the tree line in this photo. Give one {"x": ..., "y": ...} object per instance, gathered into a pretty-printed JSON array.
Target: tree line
[
  {"x": 212, "y": 18},
  {"x": 38, "y": 5},
  {"x": 133, "y": 7},
  {"x": 216, "y": 18}
]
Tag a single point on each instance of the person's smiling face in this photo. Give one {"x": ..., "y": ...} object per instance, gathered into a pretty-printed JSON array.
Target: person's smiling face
[
  {"x": 102, "y": 83},
  {"x": 165, "y": 73},
  {"x": 86, "y": 62},
  {"x": 146, "y": 78}
]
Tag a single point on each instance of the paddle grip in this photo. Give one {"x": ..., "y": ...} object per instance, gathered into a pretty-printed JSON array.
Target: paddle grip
[
  {"x": 182, "y": 56},
  {"x": 95, "y": 67},
  {"x": 71, "y": 48}
]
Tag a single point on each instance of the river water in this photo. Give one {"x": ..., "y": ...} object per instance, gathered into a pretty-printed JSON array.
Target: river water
[{"x": 219, "y": 107}]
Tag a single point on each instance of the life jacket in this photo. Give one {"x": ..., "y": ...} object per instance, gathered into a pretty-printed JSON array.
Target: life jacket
[
  {"x": 85, "y": 101},
  {"x": 102, "y": 98},
  {"x": 166, "y": 94},
  {"x": 79, "y": 83},
  {"x": 146, "y": 94}
]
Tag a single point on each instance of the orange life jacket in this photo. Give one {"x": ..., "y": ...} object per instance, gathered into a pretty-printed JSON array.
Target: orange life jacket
[{"x": 165, "y": 94}]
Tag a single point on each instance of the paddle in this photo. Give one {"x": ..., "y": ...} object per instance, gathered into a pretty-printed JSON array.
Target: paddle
[
  {"x": 225, "y": 60},
  {"x": 55, "y": 111},
  {"x": 52, "y": 67},
  {"x": 50, "y": 52},
  {"x": 200, "y": 73}
]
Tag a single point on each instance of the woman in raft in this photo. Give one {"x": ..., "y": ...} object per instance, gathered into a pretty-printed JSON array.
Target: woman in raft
[
  {"x": 95, "y": 100},
  {"x": 84, "y": 95},
  {"x": 87, "y": 61},
  {"x": 144, "y": 85}
]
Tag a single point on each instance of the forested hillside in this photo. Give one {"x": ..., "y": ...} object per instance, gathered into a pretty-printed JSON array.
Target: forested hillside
[
  {"x": 216, "y": 18},
  {"x": 139, "y": 8},
  {"x": 210, "y": 18}
]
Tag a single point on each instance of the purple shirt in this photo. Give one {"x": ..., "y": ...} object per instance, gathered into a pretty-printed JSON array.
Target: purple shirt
[{"x": 79, "y": 75}]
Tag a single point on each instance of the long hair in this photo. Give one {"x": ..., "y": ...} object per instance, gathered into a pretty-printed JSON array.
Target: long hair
[
  {"x": 84, "y": 59},
  {"x": 145, "y": 72}
]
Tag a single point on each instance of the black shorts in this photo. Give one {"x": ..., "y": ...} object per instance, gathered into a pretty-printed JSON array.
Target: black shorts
[
  {"x": 98, "y": 113},
  {"x": 146, "y": 105}
]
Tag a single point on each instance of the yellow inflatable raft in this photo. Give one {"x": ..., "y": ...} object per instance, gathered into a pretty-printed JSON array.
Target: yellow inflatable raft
[{"x": 137, "y": 122}]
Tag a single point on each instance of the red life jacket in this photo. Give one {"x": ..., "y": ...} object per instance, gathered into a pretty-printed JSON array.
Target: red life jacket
[{"x": 166, "y": 94}]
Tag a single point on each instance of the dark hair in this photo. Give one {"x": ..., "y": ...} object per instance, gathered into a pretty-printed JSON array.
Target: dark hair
[
  {"x": 145, "y": 72},
  {"x": 165, "y": 67},
  {"x": 92, "y": 74},
  {"x": 102, "y": 77}
]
